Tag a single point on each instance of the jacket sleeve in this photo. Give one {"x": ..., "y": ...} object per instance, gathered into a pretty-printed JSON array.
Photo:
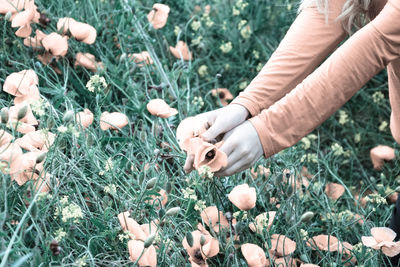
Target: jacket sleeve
[
  {"x": 331, "y": 85},
  {"x": 309, "y": 40}
]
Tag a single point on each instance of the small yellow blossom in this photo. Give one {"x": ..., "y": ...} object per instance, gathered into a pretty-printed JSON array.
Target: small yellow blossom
[
  {"x": 337, "y": 149},
  {"x": 241, "y": 24},
  {"x": 96, "y": 83},
  {"x": 243, "y": 85},
  {"x": 235, "y": 11},
  {"x": 189, "y": 193},
  {"x": 110, "y": 189},
  {"x": 197, "y": 41},
  {"x": 383, "y": 126},
  {"x": 259, "y": 66},
  {"x": 205, "y": 172},
  {"x": 81, "y": 261},
  {"x": 198, "y": 101},
  {"x": 256, "y": 54},
  {"x": 343, "y": 117},
  {"x": 357, "y": 137},
  {"x": 195, "y": 25},
  {"x": 203, "y": 70},
  {"x": 62, "y": 129},
  {"x": 246, "y": 32},
  {"x": 200, "y": 205},
  {"x": 177, "y": 30},
  {"x": 378, "y": 97},
  {"x": 226, "y": 47},
  {"x": 309, "y": 157},
  {"x": 59, "y": 235},
  {"x": 306, "y": 143},
  {"x": 71, "y": 211},
  {"x": 304, "y": 234}
]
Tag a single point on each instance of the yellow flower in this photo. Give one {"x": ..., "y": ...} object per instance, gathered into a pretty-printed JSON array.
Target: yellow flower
[{"x": 226, "y": 47}]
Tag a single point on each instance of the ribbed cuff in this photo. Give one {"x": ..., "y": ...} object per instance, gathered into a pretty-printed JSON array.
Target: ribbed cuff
[
  {"x": 264, "y": 136},
  {"x": 248, "y": 104}
]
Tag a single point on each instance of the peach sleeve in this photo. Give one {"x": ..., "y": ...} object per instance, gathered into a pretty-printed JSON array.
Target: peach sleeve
[
  {"x": 309, "y": 40},
  {"x": 394, "y": 97},
  {"x": 331, "y": 85}
]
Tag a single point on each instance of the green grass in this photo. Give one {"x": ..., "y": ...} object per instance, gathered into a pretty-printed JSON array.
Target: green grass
[{"x": 77, "y": 161}]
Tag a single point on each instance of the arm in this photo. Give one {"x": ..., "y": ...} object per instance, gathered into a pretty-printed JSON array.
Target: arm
[
  {"x": 332, "y": 84},
  {"x": 307, "y": 43}
]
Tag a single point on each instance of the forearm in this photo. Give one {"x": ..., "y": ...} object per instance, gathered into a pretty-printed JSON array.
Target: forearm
[
  {"x": 307, "y": 43},
  {"x": 332, "y": 84}
]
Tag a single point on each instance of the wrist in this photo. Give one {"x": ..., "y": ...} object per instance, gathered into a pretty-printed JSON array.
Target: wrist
[{"x": 241, "y": 111}]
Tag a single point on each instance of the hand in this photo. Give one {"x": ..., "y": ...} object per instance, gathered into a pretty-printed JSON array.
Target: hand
[
  {"x": 243, "y": 148},
  {"x": 219, "y": 122}
]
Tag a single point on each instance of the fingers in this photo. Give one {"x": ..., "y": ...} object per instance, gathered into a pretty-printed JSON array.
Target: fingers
[{"x": 189, "y": 164}]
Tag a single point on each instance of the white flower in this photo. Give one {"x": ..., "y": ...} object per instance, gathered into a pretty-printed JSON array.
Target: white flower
[
  {"x": 343, "y": 117},
  {"x": 62, "y": 129},
  {"x": 337, "y": 149},
  {"x": 177, "y": 30},
  {"x": 203, "y": 70},
  {"x": 226, "y": 47},
  {"x": 243, "y": 85},
  {"x": 110, "y": 189},
  {"x": 383, "y": 126},
  {"x": 378, "y": 97},
  {"x": 246, "y": 32},
  {"x": 357, "y": 137},
  {"x": 59, "y": 235},
  {"x": 200, "y": 205},
  {"x": 195, "y": 25}
]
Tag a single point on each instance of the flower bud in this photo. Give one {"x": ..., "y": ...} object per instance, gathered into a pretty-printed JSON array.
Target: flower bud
[
  {"x": 168, "y": 187},
  {"x": 22, "y": 112},
  {"x": 150, "y": 183},
  {"x": 307, "y": 216},
  {"x": 149, "y": 241},
  {"x": 40, "y": 158},
  {"x": 4, "y": 115},
  {"x": 202, "y": 240},
  {"x": 68, "y": 116},
  {"x": 189, "y": 239},
  {"x": 173, "y": 211},
  {"x": 8, "y": 15},
  {"x": 161, "y": 213}
]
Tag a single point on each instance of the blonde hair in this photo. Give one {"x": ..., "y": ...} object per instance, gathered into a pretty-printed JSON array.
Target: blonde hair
[{"x": 354, "y": 14}]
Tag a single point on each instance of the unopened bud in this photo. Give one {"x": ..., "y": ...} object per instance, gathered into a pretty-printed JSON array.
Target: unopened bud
[
  {"x": 168, "y": 187},
  {"x": 202, "y": 240},
  {"x": 22, "y": 112},
  {"x": 307, "y": 216},
  {"x": 149, "y": 241},
  {"x": 68, "y": 116},
  {"x": 40, "y": 158},
  {"x": 150, "y": 183},
  {"x": 161, "y": 213},
  {"x": 4, "y": 115},
  {"x": 173, "y": 211},
  {"x": 8, "y": 15},
  {"x": 189, "y": 239}
]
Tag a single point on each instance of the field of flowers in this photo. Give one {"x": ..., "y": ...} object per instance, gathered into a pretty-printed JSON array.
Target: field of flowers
[{"x": 92, "y": 93}]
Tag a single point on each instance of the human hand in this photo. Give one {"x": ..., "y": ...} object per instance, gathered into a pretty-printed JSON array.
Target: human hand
[
  {"x": 218, "y": 122},
  {"x": 243, "y": 148}
]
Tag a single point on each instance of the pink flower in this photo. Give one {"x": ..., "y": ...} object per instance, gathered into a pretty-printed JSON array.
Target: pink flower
[
  {"x": 113, "y": 121},
  {"x": 158, "y": 15},
  {"x": 181, "y": 51},
  {"x": 80, "y": 31},
  {"x": 243, "y": 197},
  {"x": 160, "y": 108},
  {"x": 254, "y": 255},
  {"x": 87, "y": 61},
  {"x": 382, "y": 238},
  {"x": 380, "y": 154}
]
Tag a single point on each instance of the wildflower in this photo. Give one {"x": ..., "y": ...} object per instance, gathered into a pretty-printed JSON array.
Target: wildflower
[
  {"x": 181, "y": 51},
  {"x": 259, "y": 66},
  {"x": 198, "y": 101},
  {"x": 246, "y": 32},
  {"x": 22, "y": 85},
  {"x": 303, "y": 234},
  {"x": 81, "y": 261},
  {"x": 197, "y": 41},
  {"x": 64, "y": 200},
  {"x": 200, "y": 205},
  {"x": 383, "y": 126},
  {"x": 343, "y": 117},
  {"x": 71, "y": 211},
  {"x": 226, "y": 47},
  {"x": 113, "y": 120},
  {"x": 334, "y": 190},
  {"x": 375, "y": 198},
  {"x": 110, "y": 189},
  {"x": 254, "y": 255},
  {"x": 84, "y": 118},
  {"x": 256, "y": 54},
  {"x": 243, "y": 197},
  {"x": 337, "y": 149},
  {"x": 381, "y": 153},
  {"x": 241, "y": 4},
  {"x": 189, "y": 193},
  {"x": 177, "y": 30},
  {"x": 243, "y": 85},
  {"x": 263, "y": 221},
  {"x": 357, "y": 137},
  {"x": 214, "y": 218},
  {"x": 24, "y": 19},
  {"x": 223, "y": 94},
  {"x": 142, "y": 58},
  {"x": 159, "y": 108},
  {"x": 203, "y": 70},
  {"x": 82, "y": 32},
  {"x": 125, "y": 236},
  {"x": 378, "y": 97},
  {"x": 96, "y": 83},
  {"x": 205, "y": 172},
  {"x": 158, "y": 16},
  {"x": 382, "y": 238},
  {"x": 200, "y": 251},
  {"x": 147, "y": 258},
  {"x": 207, "y": 20},
  {"x": 55, "y": 44},
  {"x": 235, "y": 11},
  {"x": 39, "y": 106},
  {"x": 306, "y": 143},
  {"x": 87, "y": 61},
  {"x": 282, "y": 245},
  {"x": 59, "y": 235},
  {"x": 195, "y": 25},
  {"x": 241, "y": 24},
  {"x": 324, "y": 243}
]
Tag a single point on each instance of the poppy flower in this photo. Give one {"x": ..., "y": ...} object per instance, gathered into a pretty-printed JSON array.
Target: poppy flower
[
  {"x": 113, "y": 120},
  {"x": 382, "y": 238},
  {"x": 37, "y": 140},
  {"x": 281, "y": 245},
  {"x": 87, "y": 61},
  {"x": 55, "y": 44},
  {"x": 324, "y": 243},
  {"x": 263, "y": 221},
  {"x": 5, "y": 137},
  {"x": 142, "y": 58},
  {"x": 36, "y": 41},
  {"x": 24, "y": 18},
  {"x": 214, "y": 218},
  {"x": 158, "y": 15},
  {"x": 206, "y": 154},
  {"x": 286, "y": 261},
  {"x": 380, "y": 154},
  {"x": 149, "y": 228},
  {"x": 223, "y": 94},
  {"x": 161, "y": 199},
  {"x": 149, "y": 256},
  {"x": 20, "y": 83},
  {"x": 160, "y": 108},
  {"x": 10, "y": 154},
  {"x": 80, "y": 31},
  {"x": 334, "y": 190},
  {"x": 20, "y": 127},
  {"x": 243, "y": 197},
  {"x": 260, "y": 171},
  {"x": 189, "y": 128},
  {"x": 28, "y": 168},
  {"x": 254, "y": 255},
  {"x": 84, "y": 118},
  {"x": 11, "y": 6},
  {"x": 308, "y": 265},
  {"x": 181, "y": 51},
  {"x": 200, "y": 253},
  {"x": 129, "y": 224}
]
